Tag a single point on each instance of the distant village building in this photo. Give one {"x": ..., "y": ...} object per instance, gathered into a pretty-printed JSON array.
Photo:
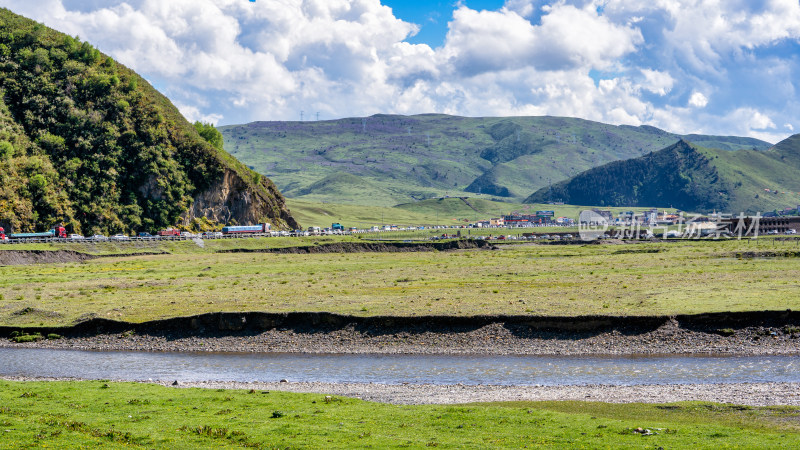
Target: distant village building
[
  {"x": 541, "y": 218},
  {"x": 767, "y": 225},
  {"x": 606, "y": 214}
]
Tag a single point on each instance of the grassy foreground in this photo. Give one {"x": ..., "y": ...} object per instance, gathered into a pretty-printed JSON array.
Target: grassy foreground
[
  {"x": 641, "y": 279},
  {"x": 116, "y": 415}
]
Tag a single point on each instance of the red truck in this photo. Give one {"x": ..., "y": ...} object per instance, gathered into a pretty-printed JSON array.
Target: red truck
[{"x": 169, "y": 232}]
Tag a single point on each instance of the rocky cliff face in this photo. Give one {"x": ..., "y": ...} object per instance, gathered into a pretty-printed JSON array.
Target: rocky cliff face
[{"x": 232, "y": 199}]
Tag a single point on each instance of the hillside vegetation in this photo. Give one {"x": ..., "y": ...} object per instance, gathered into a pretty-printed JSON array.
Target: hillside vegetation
[
  {"x": 385, "y": 160},
  {"x": 691, "y": 178},
  {"x": 87, "y": 142}
]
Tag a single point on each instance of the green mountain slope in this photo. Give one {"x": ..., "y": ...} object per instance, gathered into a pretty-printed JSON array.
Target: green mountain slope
[
  {"x": 87, "y": 142},
  {"x": 412, "y": 158},
  {"x": 690, "y": 178},
  {"x": 435, "y": 211}
]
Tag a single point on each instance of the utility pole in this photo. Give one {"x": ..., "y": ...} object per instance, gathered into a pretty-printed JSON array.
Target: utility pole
[
  {"x": 301, "y": 115},
  {"x": 317, "y": 116},
  {"x": 364, "y": 125}
]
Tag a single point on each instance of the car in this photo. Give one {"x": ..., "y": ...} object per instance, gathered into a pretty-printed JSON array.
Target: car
[
  {"x": 211, "y": 234},
  {"x": 791, "y": 231},
  {"x": 99, "y": 237},
  {"x": 76, "y": 237},
  {"x": 186, "y": 234},
  {"x": 144, "y": 234},
  {"x": 119, "y": 237}
]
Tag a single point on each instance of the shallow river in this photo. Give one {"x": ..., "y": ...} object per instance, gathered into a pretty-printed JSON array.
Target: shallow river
[{"x": 392, "y": 369}]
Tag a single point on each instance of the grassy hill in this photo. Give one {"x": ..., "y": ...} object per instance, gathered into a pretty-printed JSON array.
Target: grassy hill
[
  {"x": 438, "y": 211},
  {"x": 435, "y": 211},
  {"x": 691, "y": 178},
  {"x": 87, "y": 142},
  {"x": 400, "y": 159}
]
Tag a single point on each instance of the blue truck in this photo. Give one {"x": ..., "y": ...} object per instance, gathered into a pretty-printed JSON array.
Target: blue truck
[
  {"x": 246, "y": 229},
  {"x": 42, "y": 235}
]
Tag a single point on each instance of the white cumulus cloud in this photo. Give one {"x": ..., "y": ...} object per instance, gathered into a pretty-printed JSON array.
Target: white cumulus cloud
[
  {"x": 698, "y": 100},
  {"x": 657, "y": 82},
  {"x": 627, "y": 61}
]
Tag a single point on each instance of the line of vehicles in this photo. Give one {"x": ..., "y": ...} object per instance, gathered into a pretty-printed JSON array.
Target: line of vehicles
[
  {"x": 60, "y": 232},
  {"x": 262, "y": 230}
]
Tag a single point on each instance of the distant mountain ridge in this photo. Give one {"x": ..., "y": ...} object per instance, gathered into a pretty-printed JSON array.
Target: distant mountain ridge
[
  {"x": 690, "y": 178},
  {"x": 408, "y": 158},
  {"x": 87, "y": 142}
]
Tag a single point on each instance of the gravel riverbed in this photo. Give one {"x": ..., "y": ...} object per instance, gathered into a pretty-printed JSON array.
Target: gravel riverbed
[
  {"x": 753, "y": 394},
  {"x": 495, "y": 339}
]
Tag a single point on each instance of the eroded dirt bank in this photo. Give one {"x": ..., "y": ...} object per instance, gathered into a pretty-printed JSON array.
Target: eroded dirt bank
[
  {"x": 747, "y": 333},
  {"x": 374, "y": 246},
  {"x": 24, "y": 257}
]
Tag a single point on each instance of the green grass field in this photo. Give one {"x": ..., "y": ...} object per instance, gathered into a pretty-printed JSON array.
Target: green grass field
[
  {"x": 101, "y": 414},
  {"x": 641, "y": 279}
]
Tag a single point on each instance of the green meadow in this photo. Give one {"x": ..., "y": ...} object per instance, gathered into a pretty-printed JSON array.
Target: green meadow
[
  {"x": 528, "y": 279},
  {"x": 101, "y": 414}
]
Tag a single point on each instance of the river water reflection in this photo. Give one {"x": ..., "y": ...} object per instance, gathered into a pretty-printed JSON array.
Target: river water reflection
[{"x": 393, "y": 369}]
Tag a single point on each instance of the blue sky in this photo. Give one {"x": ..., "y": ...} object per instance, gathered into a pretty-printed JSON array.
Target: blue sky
[
  {"x": 687, "y": 66},
  {"x": 433, "y": 16}
]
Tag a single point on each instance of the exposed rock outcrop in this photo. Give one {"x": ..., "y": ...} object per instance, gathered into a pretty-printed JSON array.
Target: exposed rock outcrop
[{"x": 232, "y": 198}]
